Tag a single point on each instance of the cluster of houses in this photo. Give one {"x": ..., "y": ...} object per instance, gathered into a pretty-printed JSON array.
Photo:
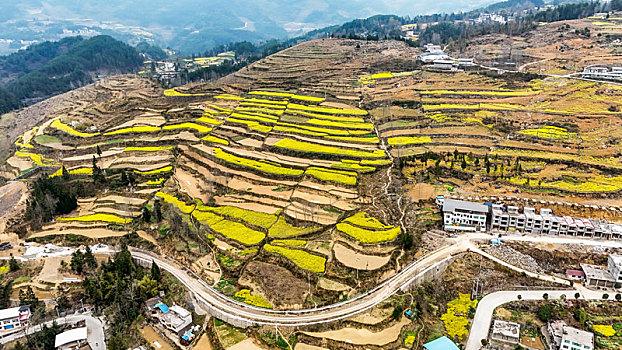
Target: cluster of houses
[
  {"x": 460, "y": 215},
  {"x": 17, "y": 319},
  {"x": 602, "y": 73},
  {"x": 437, "y": 59},
  {"x": 559, "y": 336}
]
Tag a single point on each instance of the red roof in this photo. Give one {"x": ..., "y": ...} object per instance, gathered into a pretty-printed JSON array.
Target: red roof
[{"x": 575, "y": 273}]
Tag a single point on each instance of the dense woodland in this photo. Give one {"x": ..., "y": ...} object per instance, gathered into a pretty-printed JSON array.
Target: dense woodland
[{"x": 51, "y": 68}]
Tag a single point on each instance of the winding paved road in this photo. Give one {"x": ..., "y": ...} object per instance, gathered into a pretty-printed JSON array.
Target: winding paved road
[{"x": 232, "y": 310}]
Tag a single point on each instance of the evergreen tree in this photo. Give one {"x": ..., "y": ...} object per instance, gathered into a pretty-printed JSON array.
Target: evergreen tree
[
  {"x": 156, "y": 274},
  {"x": 146, "y": 215},
  {"x": 89, "y": 259},
  {"x": 157, "y": 210},
  {"x": 28, "y": 297}
]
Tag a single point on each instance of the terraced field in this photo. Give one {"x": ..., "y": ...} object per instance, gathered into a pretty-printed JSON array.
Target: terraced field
[
  {"x": 509, "y": 132},
  {"x": 271, "y": 164}
]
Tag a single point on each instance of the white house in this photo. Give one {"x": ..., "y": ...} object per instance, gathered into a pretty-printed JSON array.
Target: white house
[
  {"x": 614, "y": 265},
  {"x": 505, "y": 331},
  {"x": 71, "y": 339},
  {"x": 569, "y": 338},
  {"x": 14, "y": 319},
  {"x": 464, "y": 216},
  {"x": 175, "y": 318},
  {"x": 576, "y": 339}
]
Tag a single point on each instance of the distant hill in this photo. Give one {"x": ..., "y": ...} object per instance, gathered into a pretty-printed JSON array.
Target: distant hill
[
  {"x": 191, "y": 26},
  {"x": 51, "y": 68}
]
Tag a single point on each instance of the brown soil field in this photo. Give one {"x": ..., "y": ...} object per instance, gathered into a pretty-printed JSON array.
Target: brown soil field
[
  {"x": 363, "y": 336},
  {"x": 356, "y": 260},
  {"x": 154, "y": 339},
  {"x": 277, "y": 283},
  {"x": 422, "y": 191}
]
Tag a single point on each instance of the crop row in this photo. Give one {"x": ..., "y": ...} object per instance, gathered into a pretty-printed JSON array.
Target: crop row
[
  {"x": 369, "y": 236},
  {"x": 343, "y": 177},
  {"x": 308, "y": 147},
  {"x": 301, "y": 258},
  {"x": 100, "y": 217}
]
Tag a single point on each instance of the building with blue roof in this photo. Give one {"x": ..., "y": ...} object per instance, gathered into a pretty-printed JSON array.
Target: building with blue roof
[{"x": 442, "y": 343}]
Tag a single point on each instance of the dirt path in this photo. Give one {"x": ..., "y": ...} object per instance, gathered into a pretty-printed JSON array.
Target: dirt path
[
  {"x": 203, "y": 343},
  {"x": 248, "y": 344},
  {"x": 13, "y": 198}
]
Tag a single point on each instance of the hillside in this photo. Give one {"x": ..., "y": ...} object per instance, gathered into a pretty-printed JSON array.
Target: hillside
[
  {"x": 51, "y": 68},
  {"x": 310, "y": 176}
]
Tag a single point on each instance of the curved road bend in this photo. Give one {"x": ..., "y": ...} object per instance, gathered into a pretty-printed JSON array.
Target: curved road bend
[
  {"x": 488, "y": 304},
  {"x": 235, "y": 310}
]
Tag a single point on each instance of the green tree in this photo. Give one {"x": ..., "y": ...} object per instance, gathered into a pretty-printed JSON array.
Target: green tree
[
  {"x": 545, "y": 313},
  {"x": 13, "y": 264},
  {"x": 407, "y": 241},
  {"x": 148, "y": 288},
  {"x": 398, "y": 311},
  {"x": 157, "y": 210},
  {"x": 77, "y": 261},
  {"x": 146, "y": 215},
  {"x": 89, "y": 258},
  {"x": 580, "y": 315},
  {"x": 156, "y": 274},
  {"x": 28, "y": 297}
]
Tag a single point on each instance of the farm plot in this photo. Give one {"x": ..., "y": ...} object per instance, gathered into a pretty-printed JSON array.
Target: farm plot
[
  {"x": 368, "y": 230},
  {"x": 356, "y": 260}
]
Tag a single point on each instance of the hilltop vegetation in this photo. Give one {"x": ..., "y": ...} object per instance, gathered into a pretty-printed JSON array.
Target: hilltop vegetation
[{"x": 51, "y": 68}]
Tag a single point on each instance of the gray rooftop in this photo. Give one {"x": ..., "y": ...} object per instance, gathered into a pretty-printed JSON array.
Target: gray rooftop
[
  {"x": 617, "y": 259},
  {"x": 597, "y": 273},
  {"x": 578, "y": 336},
  {"x": 506, "y": 329},
  {"x": 451, "y": 205}
]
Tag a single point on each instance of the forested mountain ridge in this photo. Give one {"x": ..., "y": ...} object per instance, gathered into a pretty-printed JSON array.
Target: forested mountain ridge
[{"x": 51, "y": 68}]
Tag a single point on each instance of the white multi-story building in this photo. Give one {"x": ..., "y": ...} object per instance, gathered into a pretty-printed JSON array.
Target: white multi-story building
[
  {"x": 14, "y": 319},
  {"x": 604, "y": 277},
  {"x": 614, "y": 265},
  {"x": 576, "y": 339},
  {"x": 602, "y": 72},
  {"x": 461, "y": 215},
  {"x": 569, "y": 338}
]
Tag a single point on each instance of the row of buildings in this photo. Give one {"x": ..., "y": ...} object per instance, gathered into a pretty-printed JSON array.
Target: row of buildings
[
  {"x": 460, "y": 215},
  {"x": 602, "y": 73},
  {"x": 436, "y": 57}
]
